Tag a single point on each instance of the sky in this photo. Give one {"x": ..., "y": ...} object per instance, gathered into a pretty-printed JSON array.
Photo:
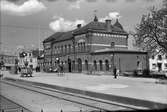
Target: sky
[{"x": 26, "y": 23}]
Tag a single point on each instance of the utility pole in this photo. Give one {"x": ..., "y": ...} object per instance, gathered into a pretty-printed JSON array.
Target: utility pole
[{"x": 39, "y": 31}]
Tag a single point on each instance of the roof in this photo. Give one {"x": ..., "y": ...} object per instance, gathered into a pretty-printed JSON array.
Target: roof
[
  {"x": 108, "y": 50},
  {"x": 54, "y": 36},
  {"x": 100, "y": 27},
  {"x": 118, "y": 25},
  {"x": 64, "y": 36},
  {"x": 94, "y": 26}
]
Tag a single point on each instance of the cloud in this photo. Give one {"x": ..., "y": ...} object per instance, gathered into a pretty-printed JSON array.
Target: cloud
[
  {"x": 92, "y": 1},
  {"x": 130, "y": 0},
  {"x": 111, "y": 15},
  {"x": 62, "y": 25},
  {"x": 27, "y": 8},
  {"x": 13, "y": 0},
  {"x": 111, "y": 0},
  {"x": 76, "y": 4}
]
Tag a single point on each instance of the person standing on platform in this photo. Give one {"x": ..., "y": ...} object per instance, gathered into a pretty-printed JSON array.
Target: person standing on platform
[
  {"x": 118, "y": 72},
  {"x": 115, "y": 72}
]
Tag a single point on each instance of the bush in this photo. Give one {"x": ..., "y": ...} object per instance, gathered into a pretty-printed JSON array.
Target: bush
[{"x": 146, "y": 72}]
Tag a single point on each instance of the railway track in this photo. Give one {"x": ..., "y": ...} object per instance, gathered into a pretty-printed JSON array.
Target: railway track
[
  {"x": 97, "y": 104},
  {"x": 7, "y": 105}
]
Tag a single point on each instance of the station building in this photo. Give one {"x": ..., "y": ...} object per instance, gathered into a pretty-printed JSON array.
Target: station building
[{"x": 95, "y": 47}]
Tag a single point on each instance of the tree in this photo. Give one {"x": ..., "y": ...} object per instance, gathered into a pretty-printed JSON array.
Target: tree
[{"x": 151, "y": 33}]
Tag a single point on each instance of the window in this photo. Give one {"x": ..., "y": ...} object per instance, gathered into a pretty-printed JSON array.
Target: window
[
  {"x": 152, "y": 56},
  {"x": 65, "y": 48},
  {"x": 153, "y": 66},
  {"x": 165, "y": 65},
  {"x": 84, "y": 46},
  {"x": 69, "y": 48},
  {"x": 159, "y": 57},
  {"x": 112, "y": 44},
  {"x": 55, "y": 50},
  {"x": 79, "y": 47},
  {"x": 61, "y": 49},
  {"x": 31, "y": 60}
]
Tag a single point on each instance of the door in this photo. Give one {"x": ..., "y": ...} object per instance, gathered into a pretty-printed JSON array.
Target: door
[
  {"x": 79, "y": 65},
  {"x": 69, "y": 65}
]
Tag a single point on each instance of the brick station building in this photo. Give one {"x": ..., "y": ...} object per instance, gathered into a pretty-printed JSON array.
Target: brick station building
[{"x": 97, "y": 46}]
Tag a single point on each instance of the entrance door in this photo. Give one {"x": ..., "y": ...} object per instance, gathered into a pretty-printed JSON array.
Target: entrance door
[
  {"x": 79, "y": 65},
  {"x": 69, "y": 65}
]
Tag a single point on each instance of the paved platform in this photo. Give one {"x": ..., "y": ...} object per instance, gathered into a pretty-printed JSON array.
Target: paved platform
[{"x": 144, "y": 90}]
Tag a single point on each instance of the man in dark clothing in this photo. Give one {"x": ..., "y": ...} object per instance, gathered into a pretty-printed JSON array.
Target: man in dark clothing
[{"x": 115, "y": 72}]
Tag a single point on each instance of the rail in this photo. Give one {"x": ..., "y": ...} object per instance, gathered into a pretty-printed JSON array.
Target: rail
[{"x": 99, "y": 104}]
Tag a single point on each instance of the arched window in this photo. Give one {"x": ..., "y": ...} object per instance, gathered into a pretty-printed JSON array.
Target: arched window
[
  {"x": 55, "y": 51},
  {"x": 107, "y": 65},
  {"x": 79, "y": 65},
  {"x": 61, "y": 49},
  {"x": 101, "y": 65},
  {"x": 69, "y": 48},
  {"x": 95, "y": 65},
  {"x": 86, "y": 65},
  {"x": 81, "y": 47},
  {"x": 78, "y": 47},
  {"x": 84, "y": 46},
  {"x": 65, "y": 47}
]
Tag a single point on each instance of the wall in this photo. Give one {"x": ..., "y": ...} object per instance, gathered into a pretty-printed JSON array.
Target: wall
[
  {"x": 122, "y": 61},
  {"x": 102, "y": 41}
]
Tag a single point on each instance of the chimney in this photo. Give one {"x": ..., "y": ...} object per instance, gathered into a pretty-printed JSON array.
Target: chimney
[
  {"x": 78, "y": 25},
  {"x": 108, "y": 24}
]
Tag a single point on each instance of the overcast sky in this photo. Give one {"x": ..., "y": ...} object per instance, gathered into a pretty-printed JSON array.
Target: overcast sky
[{"x": 28, "y": 22}]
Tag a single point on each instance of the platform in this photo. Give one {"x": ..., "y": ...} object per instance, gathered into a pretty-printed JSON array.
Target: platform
[{"x": 128, "y": 90}]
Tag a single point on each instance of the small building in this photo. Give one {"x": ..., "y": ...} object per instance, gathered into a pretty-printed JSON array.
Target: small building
[
  {"x": 158, "y": 62},
  {"x": 7, "y": 61},
  {"x": 97, "y": 46},
  {"x": 27, "y": 56}
]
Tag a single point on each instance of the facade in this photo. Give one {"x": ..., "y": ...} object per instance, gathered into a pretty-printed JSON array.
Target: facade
[
  {"x": 29, "y": 58},
  {"x": 97, "y": 46},
  {"x": 158, "y": 62},
  {"x": 40, "y": 60},
  {"x": 8, "y": 61}
]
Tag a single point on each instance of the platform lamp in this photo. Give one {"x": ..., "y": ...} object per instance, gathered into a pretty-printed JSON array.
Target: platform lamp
[{"x": 57, "y": 61}]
